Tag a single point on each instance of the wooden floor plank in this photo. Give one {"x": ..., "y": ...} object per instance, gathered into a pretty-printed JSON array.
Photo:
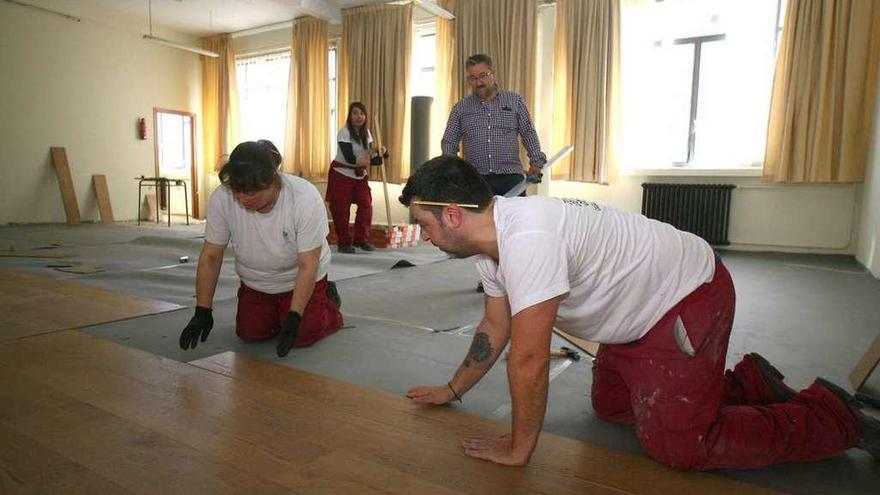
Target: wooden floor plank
[
  {"x": 142, "y": 388},
  {"x": 31, "y": 305},
  {"x": 344, "y": 472},
  {"x": 20, "y": 399},
  {"x": 27, "y": 467},
  {"x": 37, "y": 253},
  {"x": 222, "y": 420},
  {"x": 207, "y": 412},
  {"x": 278, "y": 428},
  {"x": 136, "y": 458},
  {"x": 596, "y": 464}
]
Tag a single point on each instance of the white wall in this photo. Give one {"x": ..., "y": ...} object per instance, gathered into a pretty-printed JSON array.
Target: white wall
[
  {"x": 868, "y": 252},
  {"x": 81, "y": 85},
  {"x": 764, "y": 217}
]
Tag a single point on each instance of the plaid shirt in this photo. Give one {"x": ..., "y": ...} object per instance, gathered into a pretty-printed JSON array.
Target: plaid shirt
[{"x": 489, "y": 129}]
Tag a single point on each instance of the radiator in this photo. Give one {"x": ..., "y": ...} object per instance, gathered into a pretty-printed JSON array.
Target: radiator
[{"x": 702, "y": 209}]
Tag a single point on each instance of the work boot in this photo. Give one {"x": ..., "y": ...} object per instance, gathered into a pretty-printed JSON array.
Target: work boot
[
  {"x": 347, "y": 249},
  {"x": 333, "y": 294},
  {"x": 366, "y": 246},
  {"x": 773, "y": 378},
  {"x": 869, "y": 427}
]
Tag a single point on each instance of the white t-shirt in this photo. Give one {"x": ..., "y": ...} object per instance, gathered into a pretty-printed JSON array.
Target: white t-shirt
[
  {"x": 343, "y": 136},
  {"x": 621, "y": 271},
  {"x": 266, "y": 244}
]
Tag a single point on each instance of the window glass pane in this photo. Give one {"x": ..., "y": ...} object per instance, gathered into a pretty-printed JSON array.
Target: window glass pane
[
  {"x": 262, "y": 93},
  {"x": 733, "y": 106},
  {"x": 656, "y": 106},
  {"x": 174, "y": 147},
  {"x": 734, "y": 80},
  {"x": 424, "y": 56}
]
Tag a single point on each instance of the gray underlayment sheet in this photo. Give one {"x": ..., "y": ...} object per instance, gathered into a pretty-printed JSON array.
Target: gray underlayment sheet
[
  {"x": 809, "y": 315},
  {"x": 151, "y": 266}
]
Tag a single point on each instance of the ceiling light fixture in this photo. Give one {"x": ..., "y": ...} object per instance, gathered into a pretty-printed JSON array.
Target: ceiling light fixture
[{"x": 162, "y": 41}]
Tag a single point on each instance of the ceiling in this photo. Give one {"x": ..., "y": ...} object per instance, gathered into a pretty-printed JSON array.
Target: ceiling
[{"x": 197, "y": 17}]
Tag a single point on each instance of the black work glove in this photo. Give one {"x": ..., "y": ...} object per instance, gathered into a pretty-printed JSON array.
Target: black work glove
[
  {"x": 288, "y": 333},
  {"x": 200, "y": 325}
]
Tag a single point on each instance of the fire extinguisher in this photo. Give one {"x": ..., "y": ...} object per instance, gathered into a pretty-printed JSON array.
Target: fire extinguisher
[{"x": 142, "y": 128}]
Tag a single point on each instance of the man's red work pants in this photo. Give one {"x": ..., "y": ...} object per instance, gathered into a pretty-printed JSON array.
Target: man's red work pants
[{"x": 689, "y": 414}]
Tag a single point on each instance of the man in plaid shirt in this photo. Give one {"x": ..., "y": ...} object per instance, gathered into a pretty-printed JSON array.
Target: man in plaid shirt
[{"x": 488, "y": 122}]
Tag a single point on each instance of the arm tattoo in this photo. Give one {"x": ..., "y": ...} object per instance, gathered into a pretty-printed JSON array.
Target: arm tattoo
[{"x": 480, "y": 351}]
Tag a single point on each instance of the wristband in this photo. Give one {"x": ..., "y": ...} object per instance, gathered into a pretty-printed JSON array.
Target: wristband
[{"x": 454, "y": 393}]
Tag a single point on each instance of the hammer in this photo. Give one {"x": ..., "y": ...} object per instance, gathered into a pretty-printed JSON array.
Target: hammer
[{"x": 566, "y": 352}]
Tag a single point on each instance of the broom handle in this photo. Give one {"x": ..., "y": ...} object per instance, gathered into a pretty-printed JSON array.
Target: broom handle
[{"x": 377, "y": 142}]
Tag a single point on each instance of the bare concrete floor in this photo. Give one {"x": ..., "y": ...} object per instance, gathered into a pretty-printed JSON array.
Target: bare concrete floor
[{"x": 810, "y": 315}]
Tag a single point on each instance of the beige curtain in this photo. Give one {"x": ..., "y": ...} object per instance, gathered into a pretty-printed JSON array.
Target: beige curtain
[
  {"x": 586, "y": 88},
  {"x": 219, "y": 101},
  {"x": 506, "y": 30},
  {"x": 447, "y": 88},
  {"x": 374, "y": 65},
  {"x": 219, "y": 111},
  {"x": 306, "y": 143},
  {"x": 819, "y": 129}
]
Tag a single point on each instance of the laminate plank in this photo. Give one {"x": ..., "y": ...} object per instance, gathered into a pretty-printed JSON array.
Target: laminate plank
[
  {"x": 138, "y": 459},
  {"x": 31, "y": 305},
  {"x": 102, "y": 194},
  {"x": 65, "y": 184},
  {"x": 866, "y": 365},
  {"x": 26, "y": 467},
  {"x": 602, "y": 466},
  {"x": 281, "y": 428},
  {"x": 344, "y": 472},
  {"x": 264, "y": 431},
  {"x": 200, "y": 409}
]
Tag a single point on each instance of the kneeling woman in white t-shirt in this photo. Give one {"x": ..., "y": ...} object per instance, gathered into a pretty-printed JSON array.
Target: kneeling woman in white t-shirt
[
  {"x": 347, "y": 181},
  {"x": 277, "y": 225}
]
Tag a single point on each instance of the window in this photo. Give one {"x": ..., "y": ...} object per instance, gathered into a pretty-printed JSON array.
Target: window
[
  {"x": 174, "y": 144},
  {"x": 697, "y": 77},
  {"x": 332, "y": 98},
  {"x": 424, "y": 54},
  {"x": 262, "y": 96}
]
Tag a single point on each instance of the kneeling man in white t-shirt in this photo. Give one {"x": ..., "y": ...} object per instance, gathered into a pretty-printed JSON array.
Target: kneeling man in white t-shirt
[{"x": 656, "y": 298}]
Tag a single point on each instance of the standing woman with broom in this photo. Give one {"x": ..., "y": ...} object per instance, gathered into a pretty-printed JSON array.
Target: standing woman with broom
[{"x": 347, "y": 180}]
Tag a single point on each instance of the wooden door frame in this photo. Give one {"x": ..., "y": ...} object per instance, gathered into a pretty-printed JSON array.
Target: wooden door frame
[{"x": 194, "y": 173}]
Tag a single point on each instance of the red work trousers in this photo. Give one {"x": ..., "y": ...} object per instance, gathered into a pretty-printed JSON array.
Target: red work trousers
[
  {"x": 261, "y": 315},
  {"x": 689, "y": 414},
  {"x": 342, "y": 191}
]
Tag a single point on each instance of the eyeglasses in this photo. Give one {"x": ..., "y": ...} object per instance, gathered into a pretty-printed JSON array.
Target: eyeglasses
[
  {"x": 441, "y": 203},
  {"x": 482, "y": 77}
]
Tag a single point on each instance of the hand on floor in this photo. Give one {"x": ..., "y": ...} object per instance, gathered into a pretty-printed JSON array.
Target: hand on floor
[
  {"x": 436, "y": 395},
  {"x": 288, "y": 333},
  {"x": 198, "y": 328},
  {"x": 498, "y": 450}
]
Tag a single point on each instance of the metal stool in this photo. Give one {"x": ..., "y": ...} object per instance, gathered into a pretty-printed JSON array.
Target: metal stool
[{"x": 161, "y": 183}]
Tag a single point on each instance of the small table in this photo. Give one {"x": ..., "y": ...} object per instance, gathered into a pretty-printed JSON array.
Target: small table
[{"x": 160, "y": 183}]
